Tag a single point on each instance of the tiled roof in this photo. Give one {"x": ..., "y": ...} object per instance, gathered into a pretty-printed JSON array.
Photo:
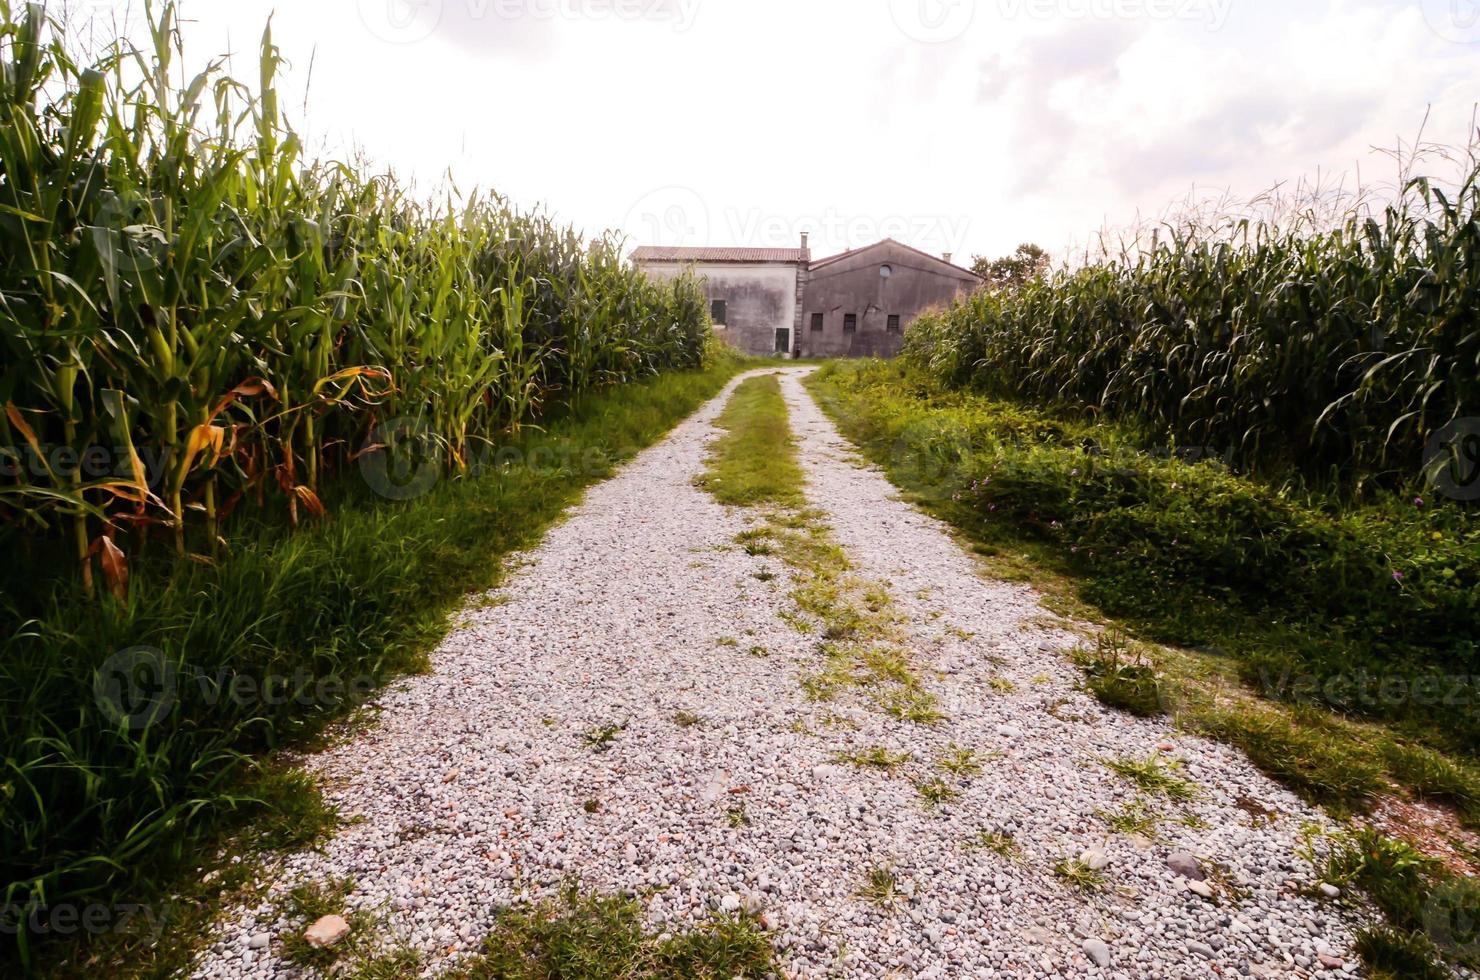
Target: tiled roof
[{"x": 658, "y": 253}]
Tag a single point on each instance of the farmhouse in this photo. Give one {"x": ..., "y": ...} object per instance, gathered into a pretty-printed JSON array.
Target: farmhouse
[{"x": 778, "y": 301}]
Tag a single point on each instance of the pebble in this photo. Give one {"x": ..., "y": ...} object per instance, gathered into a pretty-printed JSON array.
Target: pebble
[
  {"x": 1098, "y": 952},
  {"x": 1186, "y": 865},
  {"x": 620, "y": 617},
  {"x": 1094, "y": 859},
  {"x": 326, "y": 931}
]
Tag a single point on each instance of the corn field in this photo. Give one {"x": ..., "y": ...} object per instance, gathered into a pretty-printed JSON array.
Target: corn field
[
  {"x": 204, "y": 334},
  {"x": 196, "y": 319},
  {"x": 1334, "y": 351}
]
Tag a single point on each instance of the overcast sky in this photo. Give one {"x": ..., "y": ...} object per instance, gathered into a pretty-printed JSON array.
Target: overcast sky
[{"x": 951, "y": 125}]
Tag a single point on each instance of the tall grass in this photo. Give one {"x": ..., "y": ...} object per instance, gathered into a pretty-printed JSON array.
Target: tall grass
[
  {"x": 181, "y": 285},
  {"x": 1322, "y": 345},
  {"x": 201, "y": 330}
]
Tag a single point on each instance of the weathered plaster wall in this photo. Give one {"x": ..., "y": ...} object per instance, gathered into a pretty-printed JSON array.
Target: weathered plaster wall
[
  {"x": 760, "y": 299},
  {"x": 854, "y": 285}
]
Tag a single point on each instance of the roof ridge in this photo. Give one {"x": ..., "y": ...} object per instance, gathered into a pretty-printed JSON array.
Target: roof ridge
[{"x": 892, "y": 241}]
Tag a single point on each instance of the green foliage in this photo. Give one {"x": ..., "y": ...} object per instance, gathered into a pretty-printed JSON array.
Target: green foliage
[
  {"x": 936, "y": 792},
  {"x": 1134, "y": 817},
  {"x": 755, "y": 461},
  {"x": 880, "y": 885},
  {"x": 1279, "y": 345},
  {"x": 359, "y": 598},
  {"x": 1078, "y": 875},
  {"x": 600, "y": 739},
  {"x": 183, "y": 288},
  {"x": 1429, "y": 913},
  {"x": 1027, "y": 263},
  {"x": 999, "y": 843},
  {"x": 1392, "y": 954},
  {"x": 1121, "y": 677},
  {"x": 1394, "y": 874},
  {"x": 1365, "y": 607},
  {"x": 604, "y": 939},
  {"x": 959, "y": 762},
  {"x": 1153, "y": 775},
  {"x": 874, "y": 757}
]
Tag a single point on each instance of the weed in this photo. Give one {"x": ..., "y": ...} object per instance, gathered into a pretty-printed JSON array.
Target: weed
[
  {"x": 686, "y": 719},
  {"x": 601, "y": 739},
  {"x": 1394, "y": 954},
  {"x": 879, "y": 885},
  {"x": 1122, "y": 678},
  {"x": 1079, "y": 875},
  {"x": 310, "y": 902},
  {"x": 604, "y": 939},
  {"x": 1000, "y": 843},
  {"x": 1393, "y": 873},
  {"x": 875, "y": 757},
  {"x": 1152, "y": 775},
  {"x": 754, "y": 462},
  {"x": 1134, "y": 817},
  {"x": 936, "y": 792},
  {"x": 911, "y": 704},
  {"x": 958, "y": 761}
]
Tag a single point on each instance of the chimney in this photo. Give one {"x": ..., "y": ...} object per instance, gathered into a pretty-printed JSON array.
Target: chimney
[
  {"x": 805, "y": 237},
  {"x": 948, "y": 255}
]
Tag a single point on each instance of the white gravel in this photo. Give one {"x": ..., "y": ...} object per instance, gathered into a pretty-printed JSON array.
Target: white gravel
[{"x": 472, "y": 784}]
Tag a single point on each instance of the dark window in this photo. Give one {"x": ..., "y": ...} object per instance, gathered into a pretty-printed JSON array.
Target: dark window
[
  {"x": 717, "y": 312},
  {"x": 850, "y": 322},
  {"x": 893, "y": 326},
  {"x": 816, "y": 321}
]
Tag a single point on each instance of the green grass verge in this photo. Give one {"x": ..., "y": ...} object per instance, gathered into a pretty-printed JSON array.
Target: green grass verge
[
  {"x": 1288, "y": 592},
  {"x": 755, "y": 461},
  {"x": 1431, "y": 914},
  {"x": 604, "y": 939},
  {"x": 861, "y": 647},
  {"x": 1304, "y": 613},
  {"x": 96, "y": 811}
]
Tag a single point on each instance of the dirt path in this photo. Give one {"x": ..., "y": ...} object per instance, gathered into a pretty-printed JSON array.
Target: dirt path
[{"x": 484, "y": 784}]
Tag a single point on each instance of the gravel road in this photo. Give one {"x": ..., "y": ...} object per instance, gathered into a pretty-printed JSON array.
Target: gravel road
[{"x": 474, "y": 785}]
